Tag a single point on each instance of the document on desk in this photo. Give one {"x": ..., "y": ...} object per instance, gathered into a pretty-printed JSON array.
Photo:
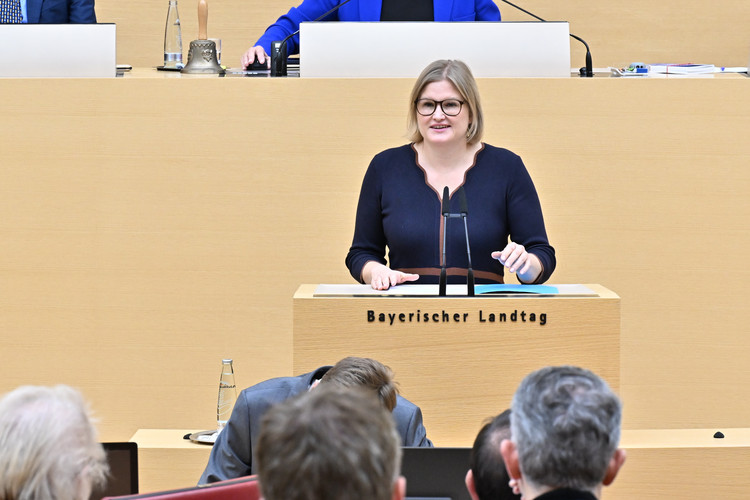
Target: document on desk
[
  {"x": 681, "y": 69},
  {"x": 489, "y": 290}
]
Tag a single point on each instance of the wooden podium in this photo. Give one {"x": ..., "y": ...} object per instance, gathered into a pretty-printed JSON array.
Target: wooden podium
[{"x": 459, "y": 358}]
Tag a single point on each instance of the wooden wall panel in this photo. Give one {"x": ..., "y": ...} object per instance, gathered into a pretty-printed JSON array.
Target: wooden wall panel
[{"x": 151, "y": 226}]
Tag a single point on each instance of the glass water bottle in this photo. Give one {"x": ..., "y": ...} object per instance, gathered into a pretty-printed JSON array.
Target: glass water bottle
[
  {"x": 227, "y": 394},
  {"x": 173, "y": 38}
]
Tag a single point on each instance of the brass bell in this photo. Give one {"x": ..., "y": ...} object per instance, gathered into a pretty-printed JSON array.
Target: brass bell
[
  {"x": 202, "y": 58},
  {"x": 202, "y": 55}
]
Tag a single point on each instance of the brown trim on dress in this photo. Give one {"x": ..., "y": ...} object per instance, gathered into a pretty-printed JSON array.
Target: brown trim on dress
[{"x": 453, "y": 271}]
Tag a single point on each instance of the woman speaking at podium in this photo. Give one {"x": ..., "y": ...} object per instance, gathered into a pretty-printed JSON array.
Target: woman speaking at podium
[{"x": 401, "y": 206}]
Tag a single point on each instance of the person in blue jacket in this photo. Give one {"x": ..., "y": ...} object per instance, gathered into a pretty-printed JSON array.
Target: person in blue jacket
[
  {"x": 57, "y": 11},
  {"x": 369, "y": 11}
]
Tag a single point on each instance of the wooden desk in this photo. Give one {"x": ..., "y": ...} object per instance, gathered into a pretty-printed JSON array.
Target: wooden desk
[
  {"x": 683, "y": 463},
  {"x": 661, "y": 463},
  {"x": 166, "y": 460}
]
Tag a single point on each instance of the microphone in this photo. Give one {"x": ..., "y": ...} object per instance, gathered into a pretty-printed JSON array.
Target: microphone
[
  {"x": 443, "y": 272},
  {"x": 464, "y": 215},
  {"x": 278, "y": 49},
  {"x": 588, "y": 70},
  {"x": 446, "y": 212}
]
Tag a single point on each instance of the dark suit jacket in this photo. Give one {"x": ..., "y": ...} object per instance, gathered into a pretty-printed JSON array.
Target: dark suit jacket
[
  {"x": 60, "y": 11},
  {"x": 231, "y": 455}
]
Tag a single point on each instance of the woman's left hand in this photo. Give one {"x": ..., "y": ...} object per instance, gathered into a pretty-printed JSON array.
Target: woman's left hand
[{"x": 516, "y": 259}]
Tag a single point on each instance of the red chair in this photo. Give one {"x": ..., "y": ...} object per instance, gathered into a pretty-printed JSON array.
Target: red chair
[{"x": 244, "y": 488}]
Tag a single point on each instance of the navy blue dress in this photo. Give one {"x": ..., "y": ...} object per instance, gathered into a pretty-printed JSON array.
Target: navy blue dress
[{"x": 399, "y": 210}]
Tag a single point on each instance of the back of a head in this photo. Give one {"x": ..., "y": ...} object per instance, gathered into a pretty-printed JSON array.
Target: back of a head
[
  {"x": 365, "y": 373},
  {"x": 566, "y": 427},
  {"x": 48, "y": 445},
  {"x": 332, "y": 443},
  {"x": 491, "y": 478}
]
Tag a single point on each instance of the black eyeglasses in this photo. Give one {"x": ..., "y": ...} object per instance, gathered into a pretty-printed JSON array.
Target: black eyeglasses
[{"x": 426, "y": 107}]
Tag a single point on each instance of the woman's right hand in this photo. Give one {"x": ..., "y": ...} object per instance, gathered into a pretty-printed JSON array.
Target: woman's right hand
[{"x": 381, "y": 277}]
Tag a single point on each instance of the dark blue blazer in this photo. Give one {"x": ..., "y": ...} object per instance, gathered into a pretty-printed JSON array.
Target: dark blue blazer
[
  {"x": 60, "y": 11},
  {"x": 368, "y": 10}
]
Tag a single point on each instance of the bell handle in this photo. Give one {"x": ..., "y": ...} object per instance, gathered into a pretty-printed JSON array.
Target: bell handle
[{"x": 202, "y": 19}]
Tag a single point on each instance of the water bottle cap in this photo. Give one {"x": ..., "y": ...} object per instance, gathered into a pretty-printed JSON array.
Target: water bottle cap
[{"x": 226, "y": 360}]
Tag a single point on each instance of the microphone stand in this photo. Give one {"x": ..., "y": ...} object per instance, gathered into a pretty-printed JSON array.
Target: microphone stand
[
  {"x": 443, "y": 284},
  {"x": 588, "y": 70},
  {"x": 470, "y": 271},
  {"x": 443, "y": 271}
]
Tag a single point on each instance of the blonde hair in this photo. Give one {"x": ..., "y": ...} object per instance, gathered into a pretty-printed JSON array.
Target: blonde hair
[
  {"x": 457, "y": 73},
  {"x": 366, "y": 373}
]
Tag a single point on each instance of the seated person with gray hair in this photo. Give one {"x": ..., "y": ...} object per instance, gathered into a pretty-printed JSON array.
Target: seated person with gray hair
[
  {"x": 333, "y": 443},
  {"x": 565, "y": 427},
  {"x": 488, "y": 479},
  {"x": 48, "y": 445}
]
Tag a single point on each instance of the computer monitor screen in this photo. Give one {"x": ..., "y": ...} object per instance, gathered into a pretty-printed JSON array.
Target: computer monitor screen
[
  {"x": 435, "y": 473},
  {"x": 123, "y": 470}
]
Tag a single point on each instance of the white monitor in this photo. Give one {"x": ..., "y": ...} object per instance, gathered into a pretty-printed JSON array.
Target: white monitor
[
  {"x": 403, "y": 49},
  {"x": 58, "y": 50}
]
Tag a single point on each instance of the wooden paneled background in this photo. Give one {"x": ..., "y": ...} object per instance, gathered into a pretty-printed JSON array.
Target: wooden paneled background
[
  {"x": 151, "y": 226},
  {"x": 618, "y": 32}
]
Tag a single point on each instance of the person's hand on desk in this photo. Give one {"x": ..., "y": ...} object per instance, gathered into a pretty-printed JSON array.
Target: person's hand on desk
[
  {"x": 382, "y": 277},
  {"x": 253, "y": 52},
  {"x": 516, "y": 259}
]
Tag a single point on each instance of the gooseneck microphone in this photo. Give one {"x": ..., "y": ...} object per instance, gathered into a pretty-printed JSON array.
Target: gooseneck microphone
[
  {"x": 588, "y": 70},
  {"x": 447, "y": 214},
  {"x": 278, "y": 49},
  {"x": 443, "y": 271},
  {"x": 464, "y": 216}
]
